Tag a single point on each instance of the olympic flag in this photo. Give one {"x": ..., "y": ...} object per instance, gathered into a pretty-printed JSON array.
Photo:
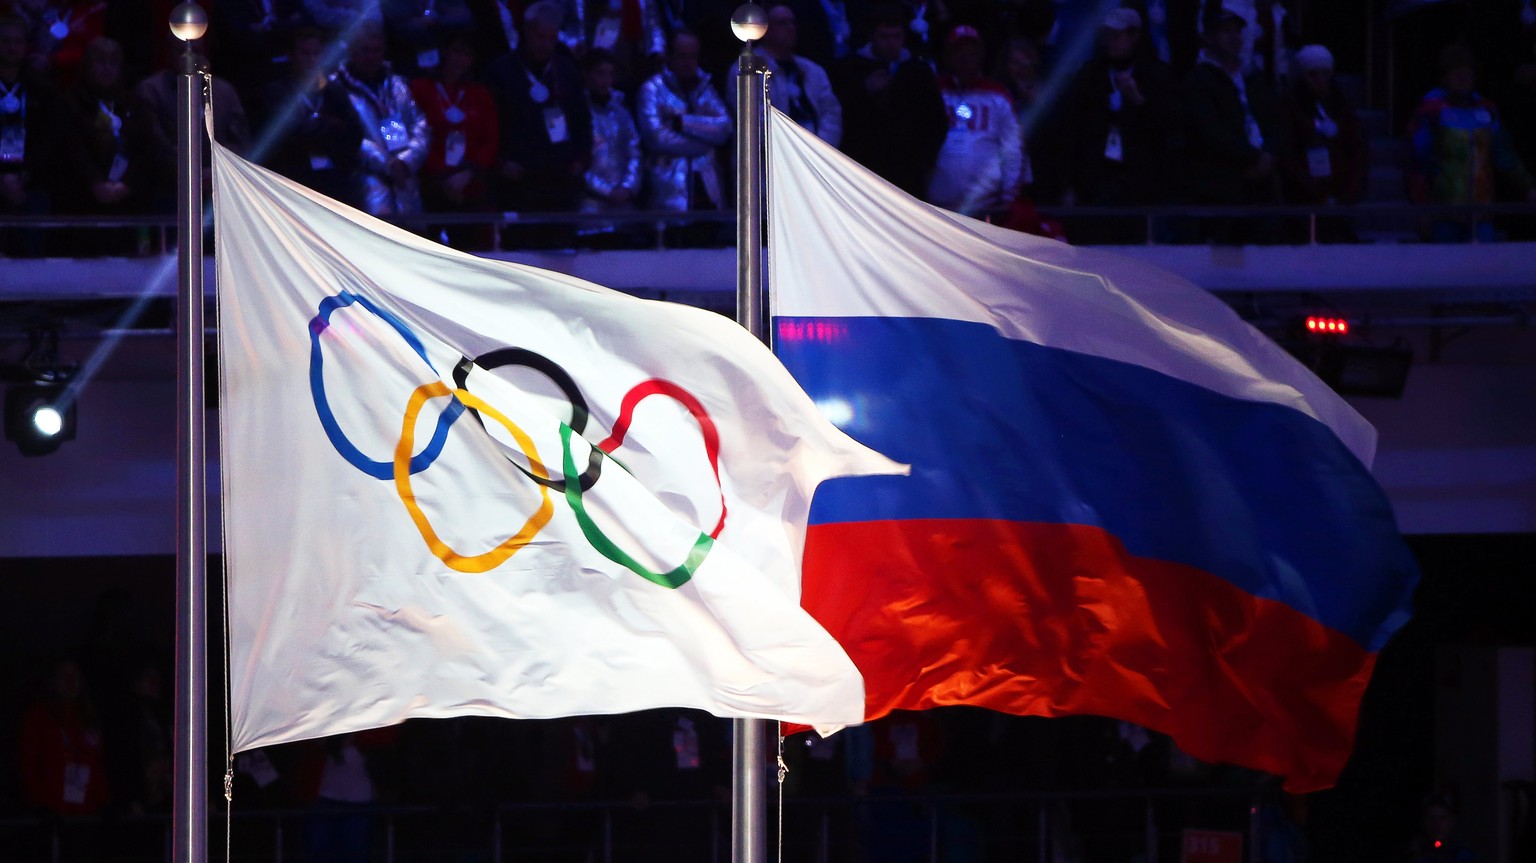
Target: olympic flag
[
  {"x": 1123, "y": 501},
  {"x": 458, "y": 486}
]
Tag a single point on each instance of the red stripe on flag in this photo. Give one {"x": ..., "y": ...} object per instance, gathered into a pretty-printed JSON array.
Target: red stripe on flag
[{"x": 1057, "y": 619}]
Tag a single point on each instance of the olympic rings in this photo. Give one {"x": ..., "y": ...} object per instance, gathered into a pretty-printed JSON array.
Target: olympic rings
[
  {"x": 404, "y": 464},
  {"x": 672, "y": 579},
  {"x": 375, "y": 469},
  {"x": 557, "y": 376},
  {"x": 525, "y": 534}
]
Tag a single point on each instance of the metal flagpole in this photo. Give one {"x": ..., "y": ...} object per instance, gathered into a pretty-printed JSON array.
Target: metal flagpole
[
  {"x": 189, "y": 834},
  {"x": 749, "y": 770}
]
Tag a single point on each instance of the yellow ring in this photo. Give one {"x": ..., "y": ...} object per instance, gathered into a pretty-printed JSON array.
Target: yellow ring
[{"x": 498, "y": 555}]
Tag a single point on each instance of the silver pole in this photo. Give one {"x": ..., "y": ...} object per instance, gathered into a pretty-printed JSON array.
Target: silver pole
[
  {"x": 749, "y": 768},
  {"x": 750, "y": 22},
  {"x": 189, "y": 843}
]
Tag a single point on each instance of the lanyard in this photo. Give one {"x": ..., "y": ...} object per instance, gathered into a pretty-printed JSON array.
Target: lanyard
[
  {"x": 112, "y": 118},
  {"x": 454, "y": 102},
  {"x": 537, "y": 87},
  {"x": 378, "y": 97}
]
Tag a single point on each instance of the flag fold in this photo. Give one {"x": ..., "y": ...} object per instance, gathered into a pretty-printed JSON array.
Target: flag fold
[
  {"x": 1124, "y": 500},
  {"x": 459, "y": 486}
]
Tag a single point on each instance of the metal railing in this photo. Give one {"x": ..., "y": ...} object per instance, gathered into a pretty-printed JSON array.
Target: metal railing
[
  {"x": 660, "y": 229},
  {"x": 1022, "y": 825}
]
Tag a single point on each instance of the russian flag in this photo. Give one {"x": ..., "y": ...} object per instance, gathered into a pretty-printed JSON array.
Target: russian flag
[{"x": 1123, "y": 501}]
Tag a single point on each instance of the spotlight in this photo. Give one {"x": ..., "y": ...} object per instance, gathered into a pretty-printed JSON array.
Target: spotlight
[{"x": 39, "y": 417}]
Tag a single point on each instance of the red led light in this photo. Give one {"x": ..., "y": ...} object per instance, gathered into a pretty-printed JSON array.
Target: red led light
[{"x": 1333, "y": 326}]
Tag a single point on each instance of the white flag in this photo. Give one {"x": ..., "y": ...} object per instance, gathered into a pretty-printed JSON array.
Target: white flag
[{"x": 458, "y": 486}]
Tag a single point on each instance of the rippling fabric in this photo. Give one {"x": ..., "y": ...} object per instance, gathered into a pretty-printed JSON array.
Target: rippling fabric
[
  {"x": 1123, "y": 500},
  {"x": 458, "y": 486}
]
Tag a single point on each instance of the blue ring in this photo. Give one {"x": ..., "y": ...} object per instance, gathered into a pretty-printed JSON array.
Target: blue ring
[{"x": 376, "y": 469}]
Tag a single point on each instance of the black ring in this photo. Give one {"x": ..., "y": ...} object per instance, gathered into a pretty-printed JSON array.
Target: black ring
[{"x": 557, "y": 376}]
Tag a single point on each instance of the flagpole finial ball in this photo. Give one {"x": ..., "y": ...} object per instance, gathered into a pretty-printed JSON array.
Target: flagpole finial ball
[
  {"x": 189, "y": 21},
  {"x": 749, "y": 22}
]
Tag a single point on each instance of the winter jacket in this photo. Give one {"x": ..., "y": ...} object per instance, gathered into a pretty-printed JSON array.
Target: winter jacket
[
  {"x": 1220, "y": 148},
  {"x": 801, "y": 89},
  {"x": 615, "y": 154},
  {"x": 393, "y": 127},
  {"x": 681, "y": 129},
  {"x": 981, "y": 163},
  {"x": 1462, "y": 155}
]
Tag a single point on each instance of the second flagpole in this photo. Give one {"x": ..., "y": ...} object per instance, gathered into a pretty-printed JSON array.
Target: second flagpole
[
  {"x": 749, "y": 767},
  {"x": 189, "y": 834}
]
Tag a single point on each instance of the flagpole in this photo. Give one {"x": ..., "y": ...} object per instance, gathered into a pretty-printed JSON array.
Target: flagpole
[
  {"x": 749, "y": 791},
  {"x": 189, "y": 840}
]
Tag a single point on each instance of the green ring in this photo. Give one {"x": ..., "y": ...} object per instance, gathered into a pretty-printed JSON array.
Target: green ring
[{"x": 672, "y": 579}]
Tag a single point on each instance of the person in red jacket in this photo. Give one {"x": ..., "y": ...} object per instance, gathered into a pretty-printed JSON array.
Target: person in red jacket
[
  {"x": 465, "y": 134},
  {"x": 62, "y": 768}
]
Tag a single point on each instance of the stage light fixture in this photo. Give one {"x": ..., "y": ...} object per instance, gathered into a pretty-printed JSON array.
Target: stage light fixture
[{"x": 39, "y": 417}]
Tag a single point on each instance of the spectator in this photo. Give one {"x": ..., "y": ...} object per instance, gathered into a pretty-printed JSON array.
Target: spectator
[
  {"x": 1437, "y": 840},
  {"x": 613, "y": 177},
  {"x": 894, "y": 120},
  {"x": 825, "y": 30},
  {"x": 252, "y": 38},
  {"x": 60, "y": 32},
  {"x": 1235, "y": 128},
  {"x": 497, "y": 26},
  {"x": 925, "y": 19},
  {"x": 1461, "y": 153},
  {"x": 465, "y": 134},
  {"x": 630, "y": 31},
  {"x": 139, "y": 745},
  {"x": 62, "y": 765},
  {"x": 1271, "y": 58},
  {"x": 395, "y": 131},
  {"x": 1018, "y": 70},
  {"x": 342, "y": 788},
  {"x": 797, "y": 86},
  {"x": 416, "y": 29},
  {"x": 669, "y": 756},
  {"x": 316, "y": 137},
  {"x": 546, "y": 125},
  {"x": 981, "y": 163},
  {"x": 157, "y": 93},
  {"x": 339, "y": 17},
  {"x": 1326, "y": 163},
  {"x": 682, "y": 121},
  {"x": 108, "y": 135},
  {"x": 30, "y": 137},
  {"x": 1117, "y": 117}
]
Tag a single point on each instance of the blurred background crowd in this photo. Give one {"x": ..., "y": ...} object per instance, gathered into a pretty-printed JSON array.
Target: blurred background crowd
[{"x": 403, "y": 107}]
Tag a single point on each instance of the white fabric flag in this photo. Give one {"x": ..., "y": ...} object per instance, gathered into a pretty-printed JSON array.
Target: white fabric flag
[{"x": 421, "y": 515}]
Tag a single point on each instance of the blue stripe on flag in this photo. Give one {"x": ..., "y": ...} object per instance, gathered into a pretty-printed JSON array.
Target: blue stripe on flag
[{"x": 1258, "y": 494}]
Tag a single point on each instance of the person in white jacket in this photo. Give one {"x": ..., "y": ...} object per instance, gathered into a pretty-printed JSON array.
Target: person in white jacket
[
  {"x": 682, "y": 121},
  {"x": 981, "y": 164},
  {"x": 797, "y": 86}
]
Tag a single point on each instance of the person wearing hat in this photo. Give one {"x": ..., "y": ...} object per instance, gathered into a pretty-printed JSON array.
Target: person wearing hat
[
  {"x": 1116, "y": 120},
  {"x": 1235, "y": 130},
  {"x": 1326, "y": 162},
  {"x": 981, "y": 164},
  {"x": 1461, "y": 152}
]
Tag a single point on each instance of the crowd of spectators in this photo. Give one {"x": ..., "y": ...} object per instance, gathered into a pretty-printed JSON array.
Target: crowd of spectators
[
  {"x": 407, "y": 106},
  {"x": 94, "y": 774}
]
